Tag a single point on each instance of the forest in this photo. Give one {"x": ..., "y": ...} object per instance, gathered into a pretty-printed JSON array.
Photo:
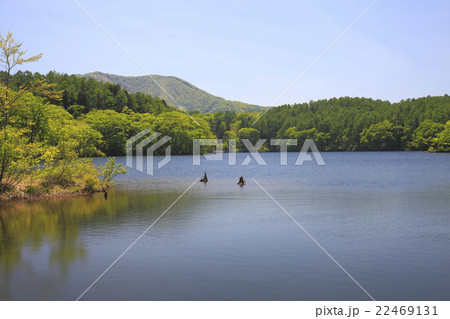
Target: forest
[
  {"x": 338, "y": 124},
  {"x": 55, "y": 121}
]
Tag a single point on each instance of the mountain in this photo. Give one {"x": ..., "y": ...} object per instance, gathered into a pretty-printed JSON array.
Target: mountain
[{"x": 187, "y": 95}]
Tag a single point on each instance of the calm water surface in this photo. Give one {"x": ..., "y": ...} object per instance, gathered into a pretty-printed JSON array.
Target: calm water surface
[{"x": 385, "y": 217}]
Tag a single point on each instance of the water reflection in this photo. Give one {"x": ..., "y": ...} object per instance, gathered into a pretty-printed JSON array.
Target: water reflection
[
  {"x": 42, "y": 241},
  {"x": 54, "y": 225}
]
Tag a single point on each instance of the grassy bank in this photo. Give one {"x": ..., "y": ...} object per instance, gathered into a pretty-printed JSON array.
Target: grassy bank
[
  {"x": 35, "y": 192},
  {"x": 79, "y": 177}
]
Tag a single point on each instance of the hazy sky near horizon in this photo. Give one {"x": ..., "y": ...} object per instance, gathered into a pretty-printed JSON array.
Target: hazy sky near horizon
[{"x": 249, "y": 51}]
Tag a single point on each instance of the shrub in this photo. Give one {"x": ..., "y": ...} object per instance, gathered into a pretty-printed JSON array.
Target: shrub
[
  {"x": 75, "y": 190},
  {"x": 90, "y": 184},
  {"x": 32, "y": 190}
]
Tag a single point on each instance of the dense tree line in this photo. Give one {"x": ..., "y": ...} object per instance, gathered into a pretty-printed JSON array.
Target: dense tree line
[
  {"x": 347, "y": 124},
  {"x": 80, "y": 95},
  {"x": 338, "y": 124},
  {"x": 352, "y": 124}
]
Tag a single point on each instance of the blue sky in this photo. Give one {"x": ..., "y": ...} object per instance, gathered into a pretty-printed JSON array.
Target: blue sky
[{"x": 249, "y": 51}]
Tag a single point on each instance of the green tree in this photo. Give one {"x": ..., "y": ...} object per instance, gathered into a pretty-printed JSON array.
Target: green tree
[
  {"x": 222, "y": 129},
  {"x": 443, "y": 139},
  {"x": 11, "y": 55},
  {"x": 182, "y": 130},
  {"x": 109, "y": 171},
  {"x": 18, "y": 155},
  {"x": 114, "y": 127},
  {"x": 382, "y": 136},
  {"x": 121, "y": 100},
  {"x": 229, "y": 135},
  {"x": 425, "y": 135},
  {"x": 250, "y": 134}
]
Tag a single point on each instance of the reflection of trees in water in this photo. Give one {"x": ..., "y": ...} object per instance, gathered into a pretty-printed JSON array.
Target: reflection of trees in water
[
  {"x": 54, "y": 223},
  {"x": 53, "y": 229}
]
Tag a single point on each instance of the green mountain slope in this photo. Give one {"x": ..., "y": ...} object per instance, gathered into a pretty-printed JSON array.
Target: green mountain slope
[{"x": 186, "y": 94}]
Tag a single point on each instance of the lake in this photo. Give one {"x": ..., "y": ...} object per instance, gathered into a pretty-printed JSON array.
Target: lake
[{"x": 383, "y": 216}]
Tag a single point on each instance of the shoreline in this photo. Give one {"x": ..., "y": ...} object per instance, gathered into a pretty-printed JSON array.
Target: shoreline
[
  {"x": 24, "y": 196},
  {"x": 264, "y": 151}
]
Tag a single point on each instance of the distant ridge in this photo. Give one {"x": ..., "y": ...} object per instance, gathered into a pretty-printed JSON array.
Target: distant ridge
[{"x": 186, "y": 94}]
